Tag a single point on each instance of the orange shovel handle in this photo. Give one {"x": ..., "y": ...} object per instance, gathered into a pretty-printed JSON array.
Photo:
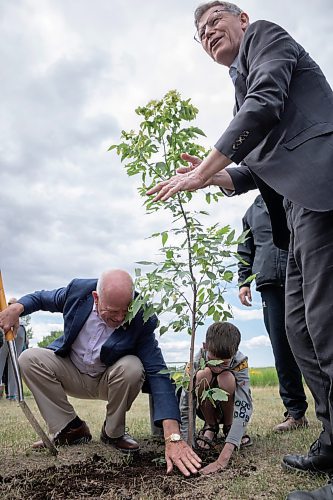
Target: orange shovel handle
[{"x": 3, "y": 304}]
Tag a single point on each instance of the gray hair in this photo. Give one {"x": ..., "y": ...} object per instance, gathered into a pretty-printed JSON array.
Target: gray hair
[
  {"x": 119, "y": 276},
  {"x": 199, "y": 11}
]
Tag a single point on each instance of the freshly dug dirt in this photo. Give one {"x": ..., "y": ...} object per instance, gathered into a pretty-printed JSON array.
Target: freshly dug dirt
[{"x": 139, "y": 477}]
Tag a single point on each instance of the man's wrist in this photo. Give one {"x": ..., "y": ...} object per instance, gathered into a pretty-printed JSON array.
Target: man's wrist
[
  {"x": 173, "y": 438},
  {"x": 17, "y": 307},
  {"x": 170, "y": 427}
]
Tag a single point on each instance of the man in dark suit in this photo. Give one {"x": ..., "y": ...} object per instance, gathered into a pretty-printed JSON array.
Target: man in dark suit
[
  {"x": 283, "y": 131},
  {"x": 99, "y": 357},
  {"x": 260, "y": 256}
]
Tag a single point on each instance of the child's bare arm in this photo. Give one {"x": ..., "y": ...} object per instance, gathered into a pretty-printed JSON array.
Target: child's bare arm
[{"x": 222, "y": 461}]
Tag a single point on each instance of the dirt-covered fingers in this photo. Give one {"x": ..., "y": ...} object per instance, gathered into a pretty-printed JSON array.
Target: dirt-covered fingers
[{"x": 211, "y": 468}]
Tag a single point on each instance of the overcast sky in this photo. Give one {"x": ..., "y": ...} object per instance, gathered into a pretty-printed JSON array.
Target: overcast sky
[{"x": 73, "y": 71}]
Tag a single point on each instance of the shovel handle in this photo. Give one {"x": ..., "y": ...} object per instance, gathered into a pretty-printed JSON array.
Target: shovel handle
[{"x": 9, "y": 335}]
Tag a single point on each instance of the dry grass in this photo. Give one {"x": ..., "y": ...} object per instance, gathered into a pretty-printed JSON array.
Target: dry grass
[{"x": 255, "y": 473}]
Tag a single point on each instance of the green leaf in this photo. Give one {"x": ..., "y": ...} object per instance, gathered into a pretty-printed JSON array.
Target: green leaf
[
  {"x": 198, "y": 131},
  {"x": 211, "y": 310},
  {"x": 177, "y": 376},
  {"x": 136, "y": 305},
  {"x": 230, "y": 237},
  {"x": 202, "y": 363},
  {"x": 164, "y": 237},
  {"x": 215, "y": 362},
  {"x": 249, "y": 279},
  {"x": 219, "y": 394},
  {"x": 145, "y": 263},
  {"x": 207, "y": 395},
  {"x": 165, "y": 371},
  {"x": 148, "y": 312},
  {"x": 211, "y": 275},
  {"x": 216, "y": 316},
  {"x": 228, "y": 276}
]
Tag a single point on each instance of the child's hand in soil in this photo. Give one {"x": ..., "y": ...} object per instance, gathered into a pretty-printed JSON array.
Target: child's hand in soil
[{"x": 221, "y": 463}]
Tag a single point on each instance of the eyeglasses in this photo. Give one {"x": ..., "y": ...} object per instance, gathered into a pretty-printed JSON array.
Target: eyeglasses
[{"x": 215, "y": 17}]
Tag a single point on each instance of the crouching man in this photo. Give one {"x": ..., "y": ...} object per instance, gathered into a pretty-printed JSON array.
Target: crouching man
[{"x": 99, "y": 357}]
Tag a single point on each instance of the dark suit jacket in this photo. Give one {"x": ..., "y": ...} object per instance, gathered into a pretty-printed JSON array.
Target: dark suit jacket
[
  {"x": 283, "y": 127},
  {"x": 245, "y": 180},
  {"x": 75, "y": 302},
  {"x": 259, "y": 254}
]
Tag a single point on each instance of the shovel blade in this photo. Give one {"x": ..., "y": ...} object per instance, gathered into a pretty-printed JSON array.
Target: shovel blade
[{"x": 33, "y": 421}]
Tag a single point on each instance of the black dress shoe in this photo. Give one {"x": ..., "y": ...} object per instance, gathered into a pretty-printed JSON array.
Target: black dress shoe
[
  {"x": 324, "y": 493},
  {"x": 68, "y": 437},
  {"x": 124, "y": 443},
  {"x": 319, "y": 460}
]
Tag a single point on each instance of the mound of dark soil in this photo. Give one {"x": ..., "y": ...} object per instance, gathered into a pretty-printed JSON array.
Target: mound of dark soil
[{"x": 95, "y": 478}]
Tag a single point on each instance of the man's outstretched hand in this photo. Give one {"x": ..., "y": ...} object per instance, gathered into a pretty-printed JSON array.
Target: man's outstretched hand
[
  {"x": 185, "y": 180},
  {"x": 189, "y": 181},
  {"x": 193, "y": 162},
  {"x": 183, "y": 457},
  {"x": 191, "y": 178}
]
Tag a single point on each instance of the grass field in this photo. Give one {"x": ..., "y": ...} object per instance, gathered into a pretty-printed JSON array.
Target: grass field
[
  {"x": 263, "y": 377},
  {"x": 255, "y": 472}
]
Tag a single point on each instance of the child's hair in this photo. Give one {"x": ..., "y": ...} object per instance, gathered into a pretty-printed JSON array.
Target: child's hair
[{"x": 222, "y": 339}]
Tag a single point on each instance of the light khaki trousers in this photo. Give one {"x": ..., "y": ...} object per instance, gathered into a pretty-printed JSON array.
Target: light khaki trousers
[{"x": 52, "y": 378}]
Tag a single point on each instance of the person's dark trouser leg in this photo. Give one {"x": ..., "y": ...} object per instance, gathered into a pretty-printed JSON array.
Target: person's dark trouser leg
[
  {"x": 289, "y": 375},
  {"x": 309, "y": 311}
]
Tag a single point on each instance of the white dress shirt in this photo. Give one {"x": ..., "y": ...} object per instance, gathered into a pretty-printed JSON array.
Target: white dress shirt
[{"x": 86, "y": 348}]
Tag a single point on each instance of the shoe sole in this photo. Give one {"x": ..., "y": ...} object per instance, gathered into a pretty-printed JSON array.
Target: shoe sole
[
  {"x": 289, "y": 468},
  {"x": 127, "y": 452},
  {"x": 290, "y": 429}
]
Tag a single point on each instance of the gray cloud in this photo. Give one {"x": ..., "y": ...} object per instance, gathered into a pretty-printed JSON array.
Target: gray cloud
[{"x": 73, "y": 73}]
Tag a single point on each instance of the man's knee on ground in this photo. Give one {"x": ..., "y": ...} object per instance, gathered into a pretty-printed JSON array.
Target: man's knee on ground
[{"x": 227, "y": 382}]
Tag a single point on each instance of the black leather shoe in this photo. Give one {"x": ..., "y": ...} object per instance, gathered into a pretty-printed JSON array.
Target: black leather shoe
[
  {"x": 124, "y": 443},
  {"x": 319, "y": 460},
  {"x": 68, "y": 437},
  {"x": 324, "y": 493}
]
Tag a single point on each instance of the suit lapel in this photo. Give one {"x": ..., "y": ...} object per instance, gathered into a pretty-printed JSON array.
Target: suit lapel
[
  {"x": 84, "y": 308},
  {"x": 240, "y": 90}
]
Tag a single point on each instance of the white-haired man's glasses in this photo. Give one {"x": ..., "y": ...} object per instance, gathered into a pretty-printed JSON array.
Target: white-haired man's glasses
[{"x": 215, "y": 17}]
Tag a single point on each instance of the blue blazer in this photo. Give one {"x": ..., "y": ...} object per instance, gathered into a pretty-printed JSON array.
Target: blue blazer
[{"x": 75, "y": 302}]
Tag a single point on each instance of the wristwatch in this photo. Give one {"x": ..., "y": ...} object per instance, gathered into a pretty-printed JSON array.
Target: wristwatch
[{"x": 173, "y": 438}]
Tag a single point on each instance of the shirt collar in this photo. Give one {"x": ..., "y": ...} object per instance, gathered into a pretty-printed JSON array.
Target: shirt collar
[{"x": 233, "y": 70}]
